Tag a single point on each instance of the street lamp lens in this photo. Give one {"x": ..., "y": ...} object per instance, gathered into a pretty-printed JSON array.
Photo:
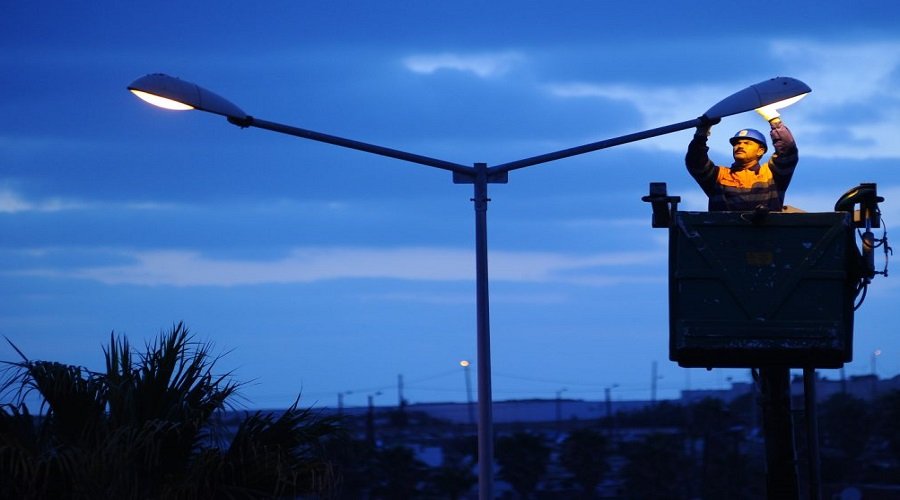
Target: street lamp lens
[{"x": 161, "y": 102}]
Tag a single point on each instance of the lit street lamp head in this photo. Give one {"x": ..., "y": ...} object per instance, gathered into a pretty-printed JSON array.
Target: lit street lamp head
[
  {"x": 172, "y": 93},
  {"x": 774, "y": 93}
]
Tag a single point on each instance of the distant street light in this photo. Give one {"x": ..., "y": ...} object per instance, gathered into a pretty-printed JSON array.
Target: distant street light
[
  {"x": 654, "y": 379},
  {"x": 341, "y": 400},
  {"x": 875, "y": 355},
  {"x": 468, "y": 374},
  {"x": 173, "y": 93}
]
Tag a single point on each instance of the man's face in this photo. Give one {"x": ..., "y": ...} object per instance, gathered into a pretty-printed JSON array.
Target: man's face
[{"x": 747, "y": 151}]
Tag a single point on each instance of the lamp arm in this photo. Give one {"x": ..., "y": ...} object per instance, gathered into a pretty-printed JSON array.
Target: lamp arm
[
  {"x": 250, "y": 121},
  {"x": 595, "y": 146}
]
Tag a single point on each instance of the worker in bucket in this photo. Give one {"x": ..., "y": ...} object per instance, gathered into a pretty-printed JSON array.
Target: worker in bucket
[{"x": 749, "y": 183}]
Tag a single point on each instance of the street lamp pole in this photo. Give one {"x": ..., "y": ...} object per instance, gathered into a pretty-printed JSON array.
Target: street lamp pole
[
  {"x": 466, "y": 372},
  {"x": 559, "y": 411},
  {"x": 607, "y": 392},
  {"x": 173, "y": 93}
]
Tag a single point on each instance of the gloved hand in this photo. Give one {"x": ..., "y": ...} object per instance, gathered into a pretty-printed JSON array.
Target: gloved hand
[
  {"x": 705, "y": 127},
  {"x": 782, "y": 138}
]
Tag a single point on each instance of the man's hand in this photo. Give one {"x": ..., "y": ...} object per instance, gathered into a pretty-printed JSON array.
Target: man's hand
[
  {"x": 705, "y": 127},
  {"x": 782, "y": 139}
]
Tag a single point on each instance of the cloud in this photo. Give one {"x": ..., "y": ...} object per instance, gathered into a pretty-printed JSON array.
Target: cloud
[
  {"x": 890, "y": 209},
  {"x": 853, "y": 72},
  {"x": 306, "y": 265},
  {"x": 859, "y": 76},
  {"x": 481, "y": 65},
  {"x": 11, "y": 203},
  {"x": 662, "y": 105},
  {"x": 505, "y": 297},
  {"x": 659, "y": 105},
  {"x": 817, "y": 199}
]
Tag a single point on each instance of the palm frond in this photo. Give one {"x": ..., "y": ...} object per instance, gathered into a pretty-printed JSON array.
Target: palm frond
[
  {"x": 284, "y": 454},
  {"x": 75, "y": 398},
  {"x": 143, "y": 428},
  {"x": 14, "y": 387},
  {"x": 120, "y": 379}
]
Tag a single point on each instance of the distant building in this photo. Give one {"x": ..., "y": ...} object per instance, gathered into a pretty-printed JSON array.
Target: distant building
[
  {"x": 529, "y": 410},
  {"x": 865, "y": 387},
  {"x": 437, "y": 433},
  {"x": 861, "y": 386},
  {"x": 736, "y": 390}
]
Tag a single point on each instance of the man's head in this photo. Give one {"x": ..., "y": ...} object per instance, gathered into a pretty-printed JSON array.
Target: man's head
[{"x": 748, "y": 146}]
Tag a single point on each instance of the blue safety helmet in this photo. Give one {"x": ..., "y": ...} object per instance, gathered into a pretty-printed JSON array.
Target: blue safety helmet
[{"x": 753, "y": 135}]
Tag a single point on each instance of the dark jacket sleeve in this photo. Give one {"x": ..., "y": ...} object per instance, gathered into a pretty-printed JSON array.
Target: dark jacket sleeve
[
  {"x": 701, "y": 168},
  {"x": 786, "y": 155}
]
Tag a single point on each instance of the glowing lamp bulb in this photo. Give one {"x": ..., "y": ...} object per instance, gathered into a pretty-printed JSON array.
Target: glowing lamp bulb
[
  {"x": 770, "y": 111},
  {"x": 161, "y": 102}
]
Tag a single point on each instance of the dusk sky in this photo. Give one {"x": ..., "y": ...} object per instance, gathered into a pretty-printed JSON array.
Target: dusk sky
[{"x": 317, "y": 270}]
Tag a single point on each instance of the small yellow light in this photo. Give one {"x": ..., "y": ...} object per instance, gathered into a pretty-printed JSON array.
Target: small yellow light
[
  {"x": 162, "y": 102},
  {"x": 463, "y": 363}
]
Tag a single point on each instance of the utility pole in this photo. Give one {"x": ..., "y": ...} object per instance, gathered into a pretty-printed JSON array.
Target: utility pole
[
  {"x": 401, "y": 403},
  {"x": 812, "y": 434},
  {"x": 559, "y": 411},
  {"x": 370, "y": 420},
  {"x": 781, "y": 468},
  {"x": 609, "y": 414},
  {"x": 341, "y": 401}
]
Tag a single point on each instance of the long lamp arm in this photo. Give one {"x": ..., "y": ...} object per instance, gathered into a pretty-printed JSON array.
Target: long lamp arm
[
  {"x": 594, "y": 146},
  {"x": 250, "y": 121}
]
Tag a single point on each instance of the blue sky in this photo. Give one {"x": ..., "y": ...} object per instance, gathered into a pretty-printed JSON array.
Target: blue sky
[{"x": 321, "y": 270}]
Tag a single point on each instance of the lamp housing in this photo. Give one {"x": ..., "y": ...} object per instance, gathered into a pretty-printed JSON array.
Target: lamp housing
[
  {"x": 167, "y": 91},
  {"x": 756, "y": 96}
]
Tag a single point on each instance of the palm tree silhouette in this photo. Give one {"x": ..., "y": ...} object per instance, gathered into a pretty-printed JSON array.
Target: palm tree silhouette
[{"x": 151, "y": 426}]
